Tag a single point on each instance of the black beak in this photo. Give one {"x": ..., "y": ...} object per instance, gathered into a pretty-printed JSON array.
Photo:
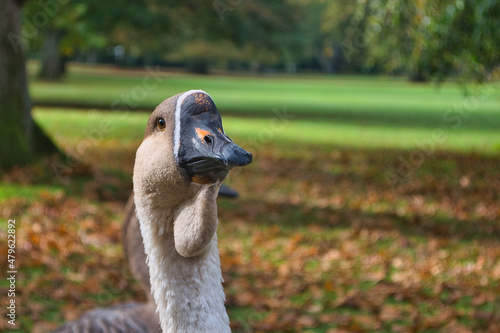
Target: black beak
[
  {"x": 205, "y": 151},
  {"x": 211, "y": 162}
]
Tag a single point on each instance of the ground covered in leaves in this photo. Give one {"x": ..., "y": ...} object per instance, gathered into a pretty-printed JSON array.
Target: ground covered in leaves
[{"x": 320, "y": 240}]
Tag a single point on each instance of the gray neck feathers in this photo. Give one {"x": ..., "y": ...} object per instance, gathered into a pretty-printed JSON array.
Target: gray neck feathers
[{"x": 187, "y": 289}]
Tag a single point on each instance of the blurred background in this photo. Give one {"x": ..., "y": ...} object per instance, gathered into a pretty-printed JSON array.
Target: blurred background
[{"x": 372, "y": 204}]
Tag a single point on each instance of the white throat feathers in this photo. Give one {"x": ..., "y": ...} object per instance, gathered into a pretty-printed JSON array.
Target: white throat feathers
[{"x": 187, "y": 289}]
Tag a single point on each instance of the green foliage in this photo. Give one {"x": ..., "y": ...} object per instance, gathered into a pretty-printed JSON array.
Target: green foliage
[
  {"x": 68, "y": 17},
  {"x": 181, "y": 31},
  {"x": 440, "y": 38},
  {"x": 424, "y": 39}
]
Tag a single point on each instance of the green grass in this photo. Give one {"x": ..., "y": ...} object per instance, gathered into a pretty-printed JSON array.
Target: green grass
[
  {"x": 29, "y": 193},
  {"x": 304, "y": 95},
  {"x": 70, "y": 126},
  {"x": 349, "y": 111}
]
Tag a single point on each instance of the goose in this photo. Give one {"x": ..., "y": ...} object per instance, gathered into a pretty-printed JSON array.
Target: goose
[{"x": 179, "y": 167}]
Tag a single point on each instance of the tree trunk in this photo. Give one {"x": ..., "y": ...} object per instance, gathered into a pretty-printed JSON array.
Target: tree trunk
[
  {"x": 52, "y": 62},
  {"x": 198, "y": 66},
  {"x": 20, "y": 138},
  {"x": 324, "y": 62},
  {"x": 418, "y": 73}
]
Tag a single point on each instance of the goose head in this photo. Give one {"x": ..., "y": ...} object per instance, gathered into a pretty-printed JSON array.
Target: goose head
[
  {"x": 184, "y": 146},
  {"x": 184, "y": 157}
]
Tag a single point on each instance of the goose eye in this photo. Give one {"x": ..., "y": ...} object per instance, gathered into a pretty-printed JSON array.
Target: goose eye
[
  {"x": 208, "y": 140},
  {"x": 161, "y": 123}
]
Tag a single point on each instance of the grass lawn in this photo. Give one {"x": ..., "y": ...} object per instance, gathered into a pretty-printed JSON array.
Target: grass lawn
[
  {"x": 320, "y": 240},
  {"x": 356, "y": 111}
]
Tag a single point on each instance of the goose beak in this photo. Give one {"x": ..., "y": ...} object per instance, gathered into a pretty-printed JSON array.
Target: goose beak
[
  {"x": 204, "y": 150},
  {"x": 208, "y": 164}
]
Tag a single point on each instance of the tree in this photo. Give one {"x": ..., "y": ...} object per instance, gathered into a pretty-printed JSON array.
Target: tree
[
  {"x": 439, "y": 38},
  {"x": 260, "y": 32},
  {"x": 334, "y": 34},
  {"x": 21, "y": 139},
  {"x": 191, "y": 32},
  {"x": 60, "y": 28}
]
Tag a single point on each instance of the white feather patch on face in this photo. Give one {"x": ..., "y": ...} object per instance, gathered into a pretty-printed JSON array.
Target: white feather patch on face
[{"x": 177, "y": 129}]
